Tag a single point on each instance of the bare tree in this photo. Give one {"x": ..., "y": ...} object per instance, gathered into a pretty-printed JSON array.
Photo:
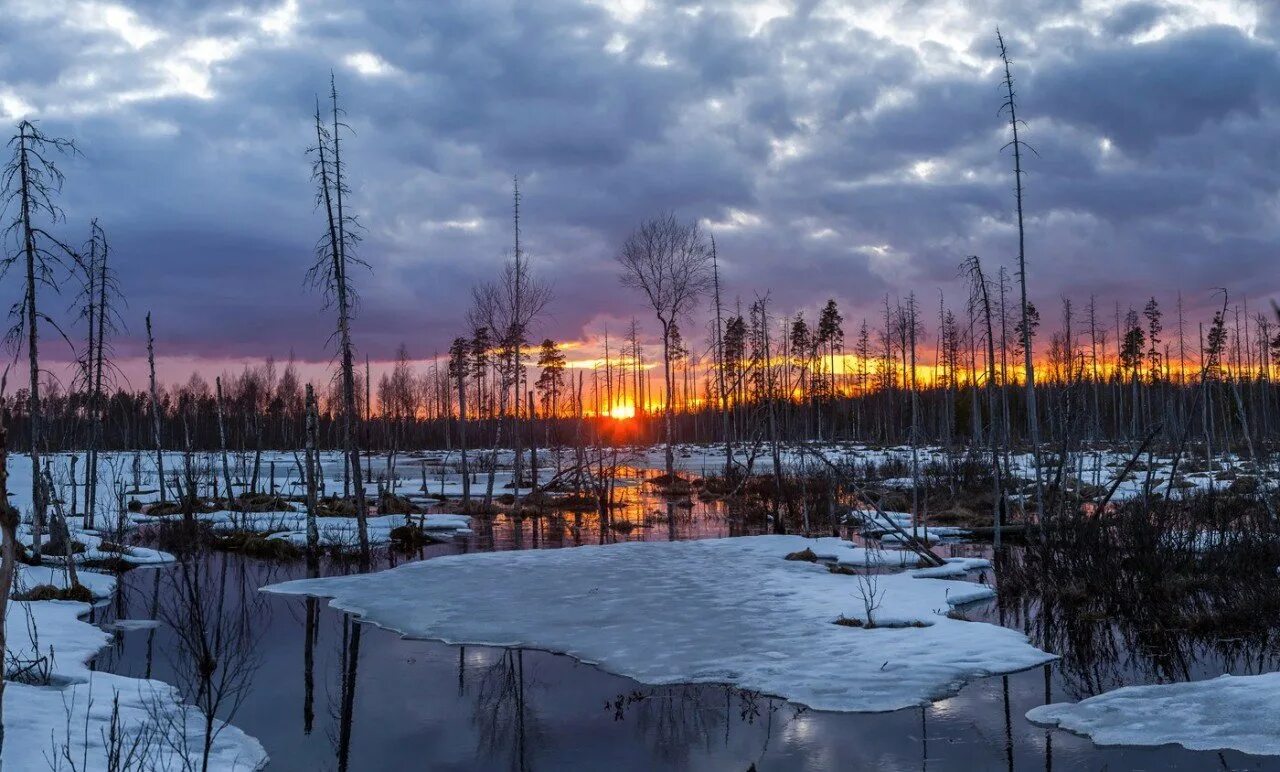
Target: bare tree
[
  {"x": 508, "y": 307},
  {"x": 157, "y": 409},
  {"x": 458, "y": 367},
  {"x": 721, "y": 395},
  {"x": 334, "y": 256},
  {"x": 8, "y": 549},
  {"x": 99, "y": 297},
  {"x": 670, "y": 262},
  {"x": 982, "y": 297},
  {"x": 312, "y": 461},
  {"x": 222, "y": 441},
  {"x": 1033, "y": 422},
  {"x": 30, "y": 181},
  {"x": 215, "y": 652}
]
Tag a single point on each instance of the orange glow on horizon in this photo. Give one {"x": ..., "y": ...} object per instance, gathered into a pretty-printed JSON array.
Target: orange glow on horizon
[{"x": 622, "y": 412}]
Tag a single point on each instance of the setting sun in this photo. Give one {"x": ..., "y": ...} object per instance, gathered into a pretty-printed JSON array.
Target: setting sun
[{"x": 623, "y": 411}]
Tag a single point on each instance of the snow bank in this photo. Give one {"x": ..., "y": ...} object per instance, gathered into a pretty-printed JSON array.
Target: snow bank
[
  {"x": 1228, "y": 712},
  {"x": 100, "y": 586},
  {"x": 97, "y": 549},
  {"x": 334, "y": 531},
  {"x": 712, "y": 611},
  {"x": 74, "y": 711}
]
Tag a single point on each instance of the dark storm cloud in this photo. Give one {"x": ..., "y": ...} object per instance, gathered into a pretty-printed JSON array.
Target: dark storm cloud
[{"x": 847, "y": 149}]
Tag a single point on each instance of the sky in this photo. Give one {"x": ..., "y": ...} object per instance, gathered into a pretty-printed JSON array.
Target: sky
[{"x": 841, "y": 149}]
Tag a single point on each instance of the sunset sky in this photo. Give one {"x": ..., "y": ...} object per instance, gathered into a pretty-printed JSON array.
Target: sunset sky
[{"x": 841, "y": 149}]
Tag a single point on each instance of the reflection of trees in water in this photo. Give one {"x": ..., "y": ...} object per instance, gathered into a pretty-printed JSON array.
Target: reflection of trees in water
[
  {"x": 342, "y": 699},
  {"x": 1119, "y": 617},
  {"x": 639, "y": 514},
  {"x": 506, "y": 722},
  {"x": 217, "y": 618},
  {"x": 344, "y": 710},
  {"x": 676, "y": 719}
]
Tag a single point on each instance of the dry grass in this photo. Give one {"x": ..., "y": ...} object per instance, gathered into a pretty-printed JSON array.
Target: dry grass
[{"x": 49, "y": 592}]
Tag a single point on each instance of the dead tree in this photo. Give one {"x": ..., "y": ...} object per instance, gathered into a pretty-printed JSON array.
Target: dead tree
[
  {"x": 312, "y": 461},
  {"x": 509, "y": 307},
  {"x": 1033, "y": 422},
  {"x": 982, "y": 294},
  {"x": 157, "y": 410},
  {"x": 99, "y": 298},
  {"x": 670, "y": 262},
  {"x": 458, "y": 367},
  {"x": 222, "y": 441},
  {"x": 9, "y": 547},
  {"x": 721, "y": 395},
  {"x": 30, "y": 181},
  {"x": 334, "y": 258}
]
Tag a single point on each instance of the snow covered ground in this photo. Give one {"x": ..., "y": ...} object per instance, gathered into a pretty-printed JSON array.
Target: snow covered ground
[
  {"x": 66, "y": 712},
  {"x": 101, "y": 586},
  {"x": 1093, "y": 468},
  {"x": 71, "y": 714},
  {"x": 713, "y": 611},
  {"x": 1235, "y": 712},
  {"x": 428, "y": 475},
  {"x": 872, "y": 522},
  {"x": 334, "y": 531},
  {"x": 98, "y": 549}
]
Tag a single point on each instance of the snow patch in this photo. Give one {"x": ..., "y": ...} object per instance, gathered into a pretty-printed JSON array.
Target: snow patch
[
  {"x": 1228, "y": 712},
  {"x": 710, "y": 611}
]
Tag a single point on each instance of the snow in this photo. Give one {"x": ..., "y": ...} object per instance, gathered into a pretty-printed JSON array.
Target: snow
[
  {"x": 711, "y": 611},
  {"x": 74, "y": 710},
  {"x": 98, "y": 549},
  {"x": 954, "y": 567},
  {"x": 101, "y": 586},
  {"x": 1228, "y": 712},
  {"x": 62, "y": 707},
  {"x": 339, "y": 531}
]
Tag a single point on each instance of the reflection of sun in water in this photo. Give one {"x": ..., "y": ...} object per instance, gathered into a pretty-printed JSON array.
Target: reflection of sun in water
[{"x": 623, "y": 411}]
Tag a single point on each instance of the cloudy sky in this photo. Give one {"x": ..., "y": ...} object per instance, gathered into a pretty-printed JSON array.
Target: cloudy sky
[{"x": 842, "y": 148}]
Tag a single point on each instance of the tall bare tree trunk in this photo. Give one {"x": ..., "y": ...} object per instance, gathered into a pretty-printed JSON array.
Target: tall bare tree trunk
[
  {"x": 997, "y": 494},
  {"x": 462, "y": 437},
  {"x": 517, "y": 332},
  {"x": 312, "y": 462},
  {"x": 720, "y": 365},
  {"x": 331, "y": 192},
  {"x": 99, "y": 405},
  {"x": 8, "y": 553},
  {"x": 222, "y": 443},
  {"x": 155, "y": 409},
  {"x": 1033, "y": 422},
  {"x": 92, "y": 312},
  {"x": 667, "y": 417},
  {"x": 38, "y": 503}
]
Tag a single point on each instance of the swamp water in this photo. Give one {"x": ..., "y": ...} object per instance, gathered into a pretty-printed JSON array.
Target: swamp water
[{"x": 320, "y": 692}]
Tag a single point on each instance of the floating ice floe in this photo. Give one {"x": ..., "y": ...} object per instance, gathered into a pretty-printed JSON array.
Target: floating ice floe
[
  {"x": 130, "y": 625},
  {"x": 712, "y": 611},
  {"x": 1228, "y": 712}
]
